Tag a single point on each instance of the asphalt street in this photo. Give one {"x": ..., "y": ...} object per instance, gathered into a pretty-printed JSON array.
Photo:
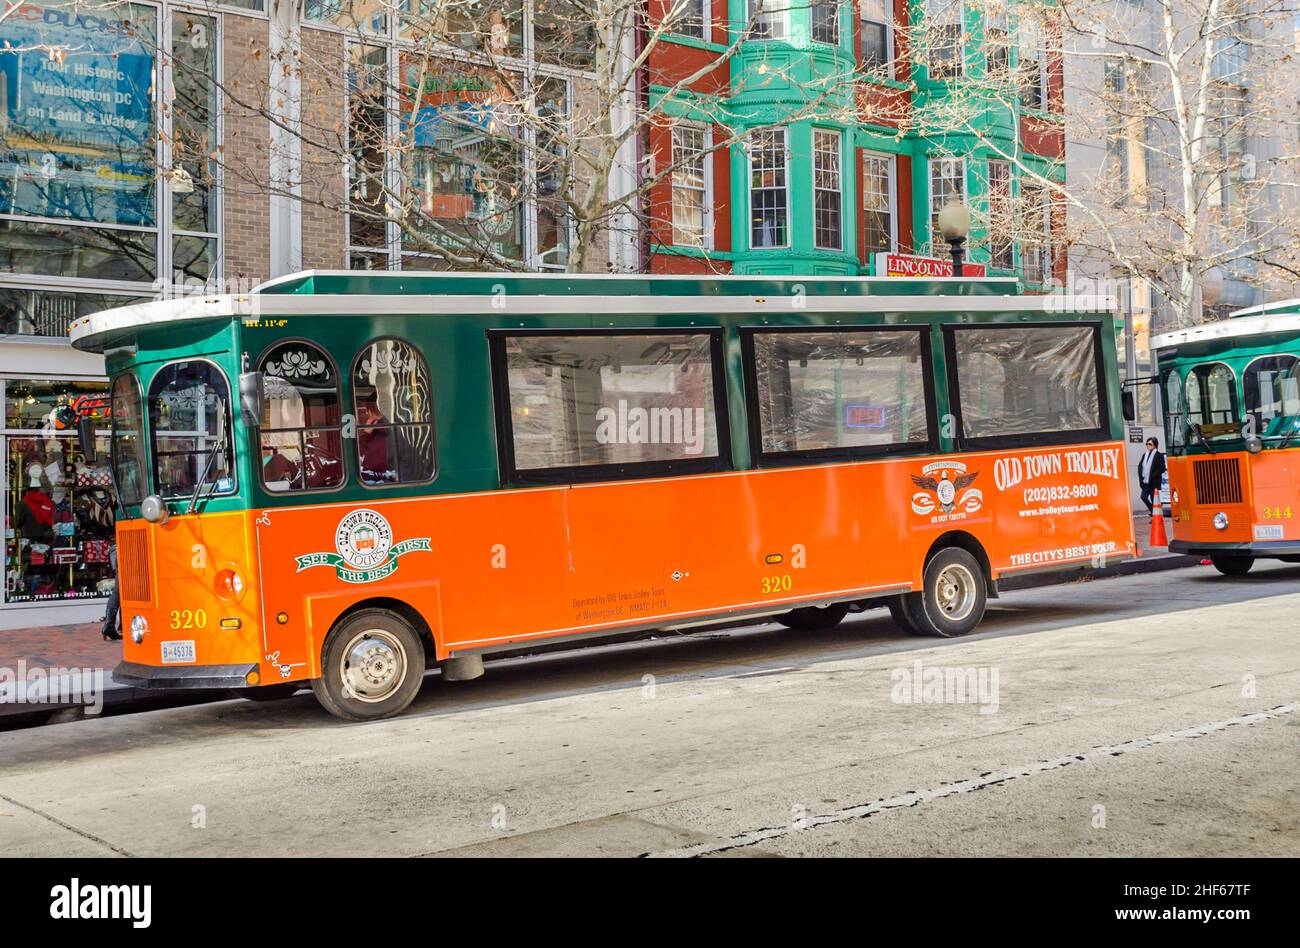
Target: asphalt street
[{"x": 1142, "y": 715}]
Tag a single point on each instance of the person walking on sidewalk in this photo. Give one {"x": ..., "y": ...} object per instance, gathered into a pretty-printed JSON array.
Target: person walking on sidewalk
[
  {"x": 1151, "y": 472},
  {"x": 111, "y": 629}
]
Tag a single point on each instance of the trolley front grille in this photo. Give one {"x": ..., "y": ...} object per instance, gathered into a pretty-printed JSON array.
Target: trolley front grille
[
  {"x": 133, "y": 566},
  {"x": 1218, "y": 481}
]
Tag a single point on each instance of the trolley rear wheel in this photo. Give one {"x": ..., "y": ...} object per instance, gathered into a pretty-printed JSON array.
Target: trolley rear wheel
[{"x": 952, "y": 599}]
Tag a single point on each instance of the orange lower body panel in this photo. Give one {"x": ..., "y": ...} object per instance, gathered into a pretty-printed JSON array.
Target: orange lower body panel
[{"x": 489, "y": 569}]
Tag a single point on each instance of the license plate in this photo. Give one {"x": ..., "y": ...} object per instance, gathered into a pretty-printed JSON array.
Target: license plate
[
  {"x": 1268, "y": 531},
  {"x": 178, "y": 653}
]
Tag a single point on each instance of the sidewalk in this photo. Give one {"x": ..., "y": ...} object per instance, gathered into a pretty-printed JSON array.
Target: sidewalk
[{"x": 81, "y": 648}]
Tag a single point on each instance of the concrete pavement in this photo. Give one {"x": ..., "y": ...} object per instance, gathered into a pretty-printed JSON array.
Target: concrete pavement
[{"x": 1151, "y": 715}]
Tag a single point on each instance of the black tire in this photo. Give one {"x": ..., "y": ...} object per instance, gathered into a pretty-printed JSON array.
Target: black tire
[
  {"x": 276, "y": 692},
  {"x": 1232, "y": 564},
  {"x": 952, "y": 600},
  {"x": 372, "y": 666},
  {"x": 900, "y": 616},
  {"x": 815, "y": 617}
]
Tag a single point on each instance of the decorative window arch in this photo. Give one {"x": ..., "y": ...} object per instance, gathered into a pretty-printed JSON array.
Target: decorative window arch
[
  {"x": 392, "y": 396},
  {"x": 301, "y": 434}
]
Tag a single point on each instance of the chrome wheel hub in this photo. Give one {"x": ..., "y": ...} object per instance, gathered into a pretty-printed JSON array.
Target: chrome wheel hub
[
  {"x": 956, "y": 591},
  {"x": 374, "y": 664}
]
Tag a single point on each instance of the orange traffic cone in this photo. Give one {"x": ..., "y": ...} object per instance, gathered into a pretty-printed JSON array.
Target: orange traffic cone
[{"x": 1158, "y": 537}]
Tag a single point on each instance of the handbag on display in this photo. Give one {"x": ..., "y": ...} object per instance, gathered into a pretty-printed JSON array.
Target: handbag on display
[{"x": 64, "y": 556}]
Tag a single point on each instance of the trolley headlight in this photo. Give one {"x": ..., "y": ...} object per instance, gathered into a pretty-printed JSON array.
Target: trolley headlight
[
  {"x": 1254, "y": 444},
  {"x": 1221, "y": 521},
  {"x": 153, "y": 509},
  {"x": 138, "y": 628}
]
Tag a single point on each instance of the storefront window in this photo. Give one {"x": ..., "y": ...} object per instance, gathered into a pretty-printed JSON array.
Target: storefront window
[
  {"x": 100, "y": 128},
  {"x": 59, "y": 510},
  {"x": 32, "y": 312}
]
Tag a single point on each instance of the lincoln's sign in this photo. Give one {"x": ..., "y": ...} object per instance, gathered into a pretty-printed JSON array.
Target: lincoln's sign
[{"x": 905, "y": 265}]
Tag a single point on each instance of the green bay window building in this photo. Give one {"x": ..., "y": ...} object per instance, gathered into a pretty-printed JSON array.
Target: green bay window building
[{"x": 852, "y": 124}]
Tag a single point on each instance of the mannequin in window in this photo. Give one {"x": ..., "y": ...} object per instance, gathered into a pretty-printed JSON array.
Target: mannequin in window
[{"x": 35, "y": 514}]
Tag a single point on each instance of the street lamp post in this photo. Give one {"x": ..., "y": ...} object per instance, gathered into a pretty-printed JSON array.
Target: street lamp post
[{"x": 954, "y": 225}]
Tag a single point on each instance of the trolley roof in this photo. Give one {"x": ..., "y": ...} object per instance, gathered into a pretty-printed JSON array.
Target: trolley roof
[
  {"x": 350, "y": 292},
  {"x": 1270, "y": 318}
]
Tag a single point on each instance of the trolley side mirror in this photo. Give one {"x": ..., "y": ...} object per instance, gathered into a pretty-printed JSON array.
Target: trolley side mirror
[
  {"x": 1128, "y": 404},
  {"x": 86, "y": 438},
  {"x": 252, "y": 397}
]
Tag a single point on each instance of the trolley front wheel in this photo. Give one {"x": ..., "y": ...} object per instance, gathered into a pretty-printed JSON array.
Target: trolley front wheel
[{"x": 372, "y": 666}]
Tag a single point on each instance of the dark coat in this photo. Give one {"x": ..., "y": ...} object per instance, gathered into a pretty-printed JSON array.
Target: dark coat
[{"x": 1157, "y": 470}]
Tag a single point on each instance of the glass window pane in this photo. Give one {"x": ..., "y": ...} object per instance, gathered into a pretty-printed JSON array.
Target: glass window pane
[
  {"x": 1027, "y": 380},
  {"x": 827, "y": 185},
  {"x": 768, "y": 192},
  {"x": 583, "y": 401},
  {"x": 194, "y": 116},
  {"x": 300, "y": 436},
  {"x": 60, "y": 512},
  {"x": 189, "y": 418},
  {"x": 464, "y": 173},
  {"x": 844, "y": 389},
  {"x": 66, "y": 250},
  {"x": 129, "y": 457},
  {"x": 1272, "y": 389},
  {"x": 690, "y": 176},
  {"x": 79, "y": 138},
  {"x": 394, "y": 410},
  {"x": 826, "y": 22},
  {"x": 48, "y": 313},
  {"x": 878, "y": 202},
  {"x": 367, "y": 135},
  {"x": 194, "y": 260},
  {"x": 565, "y": 33}
]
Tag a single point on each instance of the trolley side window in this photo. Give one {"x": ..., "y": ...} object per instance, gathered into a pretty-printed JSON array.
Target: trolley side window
[
  {"x": 393, "y": 399},
  {"x": 1016, "y": 386},
  {"x": 301, "y": 438},
  {"x": 129, "y": 453},
  {"x": 838, "y": 393},
  {"x": 609, "y": 405}
]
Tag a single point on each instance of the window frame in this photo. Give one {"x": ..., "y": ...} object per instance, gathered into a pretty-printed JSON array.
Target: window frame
[
  {"x": 432, "y": 422},
  {"x": 510, "y": 476},
  {"x": 888, "y": 68},
  {"x": 155, "y": 454},
  {"x": 891, "y": 166},
  {"x": 146, "y": 471},
  {"x": 749, "y": 188},
  {"x": 1200, "y": 374},
  {"x": 1249, "y": 372},
  {"x": 1031, "y": 439},
  {"x": 781, "y": 14},
  {"x": 814, "y": 11},
  {"x": 838, "y": 192},
  {"x": 706, "y": 158},
  {"x": 706, "y": 23},
  {"x": 256, "y": 432},
  {"x": 929, "y": 24},
  {"x": 933, "y": 217},
  {"x": 1001, "y": 242},
  {"x": 762, "y": 458}
]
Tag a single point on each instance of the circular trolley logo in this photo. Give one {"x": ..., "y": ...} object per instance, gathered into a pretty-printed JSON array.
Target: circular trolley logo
[{"x": 366, "y": 552}]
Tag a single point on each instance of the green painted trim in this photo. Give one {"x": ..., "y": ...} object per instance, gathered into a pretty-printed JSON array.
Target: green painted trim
[{"x": 694, "y": 41}]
